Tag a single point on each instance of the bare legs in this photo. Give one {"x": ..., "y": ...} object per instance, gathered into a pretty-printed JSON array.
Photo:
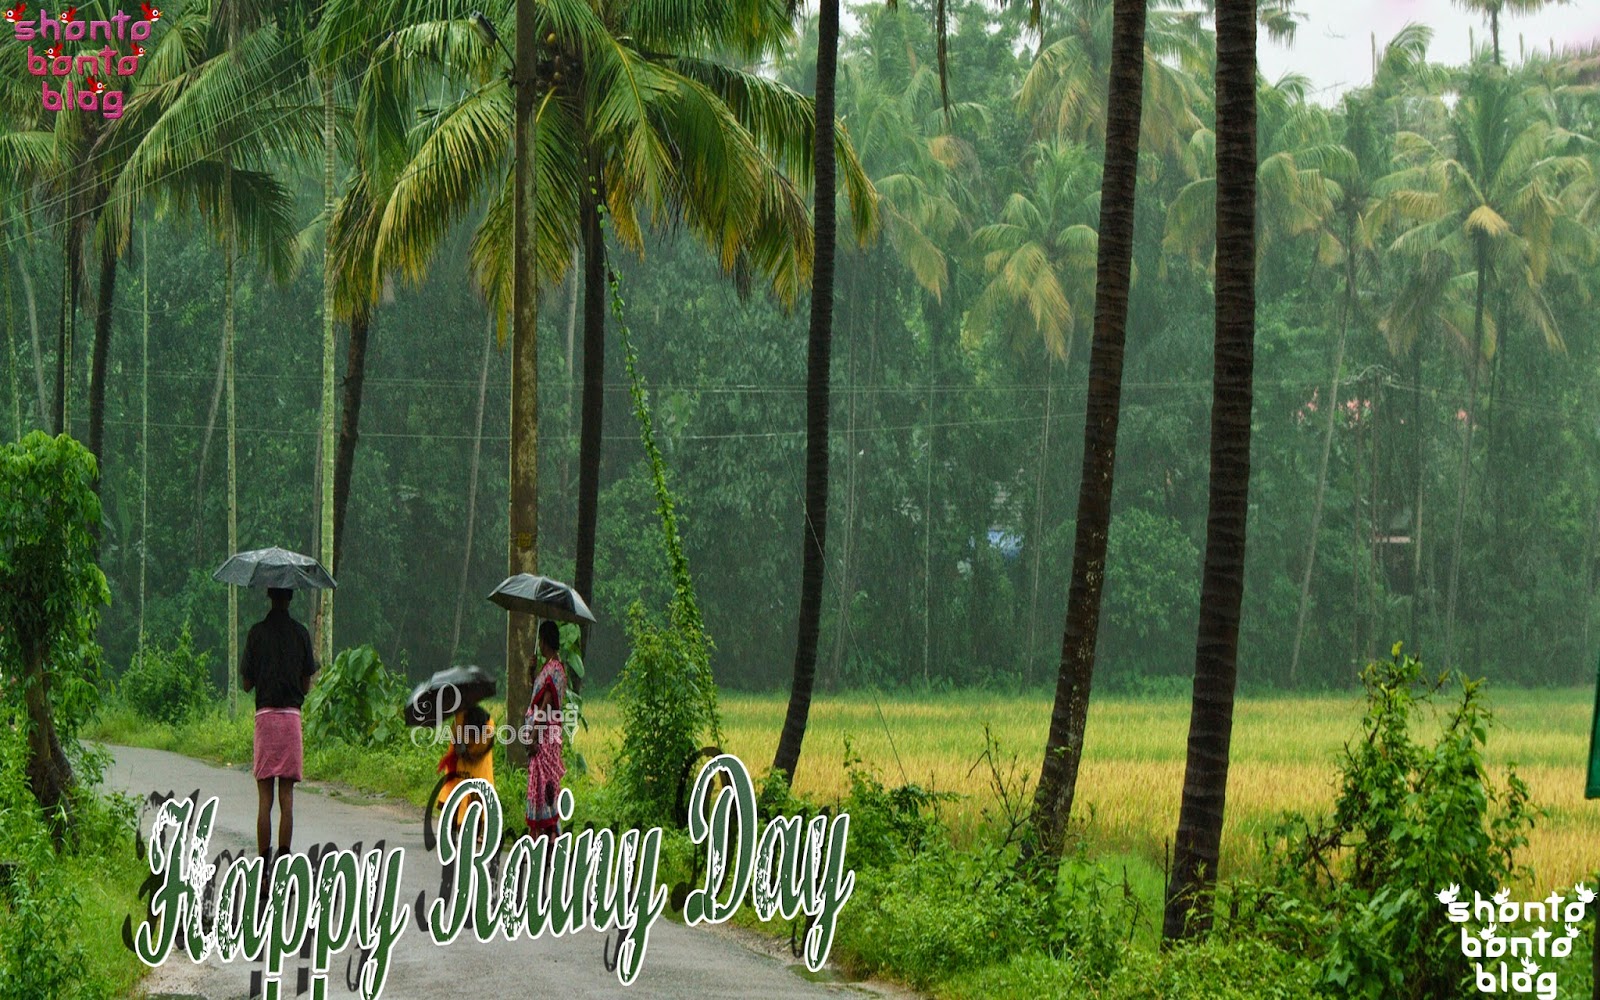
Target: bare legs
[
  {"x": 264, "y": 793},
  {"x": 264, "y": 816}
]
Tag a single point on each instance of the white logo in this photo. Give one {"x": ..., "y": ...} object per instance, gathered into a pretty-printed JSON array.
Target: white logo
[{"x": 1511, "y": 931}]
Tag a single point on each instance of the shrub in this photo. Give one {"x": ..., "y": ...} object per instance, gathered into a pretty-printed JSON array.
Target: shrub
[
  {"x": 37, "y": 956},
  {"x": 1410, "y": 820},
  {"x": 666, "y": 700},
  {"x": 358, "y": 700},
  {"x": 168, "y": 684}
]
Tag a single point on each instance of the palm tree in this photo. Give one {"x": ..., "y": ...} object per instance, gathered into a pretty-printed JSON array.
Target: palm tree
[
  {"x": 230, "y": 80},
  {"x": 819, "y": 351},
  {"x": 1063, "y": 750},
  {"x": 1350, "y": 243},
  {"x": 1486, "y": 218},
  {"x": 1492, "y": 9},
  {"x": 636, "y": 118},
  {"x": 1296, "y": 176},
  {"x": 1205, "y": 781},
  {"x": 1063, "y": 91},
  {"x": 1040, "y": 256}
]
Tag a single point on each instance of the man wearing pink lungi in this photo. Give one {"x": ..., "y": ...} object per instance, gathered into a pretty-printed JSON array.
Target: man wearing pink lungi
[
  {"x": 542, "y": 731},
  {"x": 277, "y": 664}
]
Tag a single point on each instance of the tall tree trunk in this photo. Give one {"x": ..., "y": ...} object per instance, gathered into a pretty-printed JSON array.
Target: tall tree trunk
[
  {"x": 572, "y": 329},
  {"x": 100, "y": 362},
  {"x": 328, "y": 502},
  {"x": 355, "y": 377},
  {"x": 218, "y": 387},
  {"x": 16, "y": 385},
  {"x": 1463, "y": 481},
  {"x": 29, "y": 296},
  {"x": 233, "y": 473},
  {"x": 1327, "y": 450},
  {"x": 594, "y": 375},
  {"x": 63, "y": 415},
  {"x": 1416, "y": 496},
  {"x": 814, "y": 533},
  {"x": 1205, "y": 780},
  {"x": 1063, "y": 749},
  {"x": 522, "y": 548},
  {"x": 48, "y": 772},
  {"x": 472, "y": 489},
  {"x": 144, "y": 429},
  {"x": 841, "y": 630}
]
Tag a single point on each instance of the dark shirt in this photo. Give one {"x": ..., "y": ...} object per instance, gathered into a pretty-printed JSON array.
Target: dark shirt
[{"x": 277, "y": 660}]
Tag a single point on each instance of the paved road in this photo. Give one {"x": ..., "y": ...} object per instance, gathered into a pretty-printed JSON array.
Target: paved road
[{"x": 691, "y": 963}]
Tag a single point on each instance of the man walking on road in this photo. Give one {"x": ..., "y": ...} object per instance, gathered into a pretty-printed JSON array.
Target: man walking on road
[{"x": 277, "y": 664}]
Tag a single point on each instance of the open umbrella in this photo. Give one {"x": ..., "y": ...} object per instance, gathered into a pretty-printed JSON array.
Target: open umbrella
[
  {"x": 446, "y": 693},
  {"x": 274, "y": 567},
  {"x": 542, "y": 597}
]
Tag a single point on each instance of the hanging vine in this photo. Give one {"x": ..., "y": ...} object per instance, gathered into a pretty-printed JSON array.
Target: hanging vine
[{"x": 666, "y": 691}]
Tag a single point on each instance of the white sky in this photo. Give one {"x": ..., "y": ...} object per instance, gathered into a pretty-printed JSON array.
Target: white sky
[{"x": 1334, "y": 44}]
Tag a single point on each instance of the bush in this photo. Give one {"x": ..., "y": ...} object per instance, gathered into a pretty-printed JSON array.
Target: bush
[
  {"x": 1411, "y": 819},
  {"x": 168, "y": 684},
  {"x": 668, "y": 705},
  {"x": 357, "y": 700}
]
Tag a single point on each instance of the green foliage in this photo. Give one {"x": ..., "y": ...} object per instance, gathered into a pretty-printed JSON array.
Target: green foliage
[
  {"x": 926, "y": 911},
  {"x": 887, "y": 825},
  {"x": 1152, "y": 590},
  {"x": 666, "y": 692},
  {"x": 38, "y": 954},
  {"x": 48, "y": 946},
  {"x": 51, "y": 587},
  {"x": 1212, "y": 969},
  {"x": 1356, "y": 888},
  {"x": 168, "y": 684},
  {"x": 663, "y": 702},
  {"x": 357, "y": 700}
]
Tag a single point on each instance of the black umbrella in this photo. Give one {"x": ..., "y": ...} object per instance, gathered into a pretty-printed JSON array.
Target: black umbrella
[
  {"x": 542, "y": 597},
  {"x": 274, "y": 567},
  {"x": 447, "y": 692}
]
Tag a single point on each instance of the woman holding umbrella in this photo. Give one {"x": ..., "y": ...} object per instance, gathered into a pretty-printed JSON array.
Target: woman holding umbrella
[
  {"x": 542, "y": 733},
  {"x": 552, "y": 601}
]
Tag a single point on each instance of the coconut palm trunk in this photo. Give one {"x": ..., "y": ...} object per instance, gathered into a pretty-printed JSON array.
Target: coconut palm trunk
[
  {"x": 819, "y": 351},
  {"x": 522, "y": 555},
  {"x": 1464, "y": 479},
  {"x": 472, "y": 489},
  {"x": 233, "y": 470},
  {"x": 1205, "y": 781},
  {"x": 30, "y": 298},
  {"x": 594, "y": 373},
  {"x": 16, "y": 384},
  {"x": 69, "y": 269},
  {"x": 1327, "y": 451},
  {"x": 144, "y": 429},
  {"x": 1063, "y": 749},
  {"x": 355, "y": 376},
  {"x": 329, "y": 345},
  {"x": 100, "y": 358}
]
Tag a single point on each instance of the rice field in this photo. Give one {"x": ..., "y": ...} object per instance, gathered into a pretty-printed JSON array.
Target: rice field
[{"x": 1284, "y": 757}]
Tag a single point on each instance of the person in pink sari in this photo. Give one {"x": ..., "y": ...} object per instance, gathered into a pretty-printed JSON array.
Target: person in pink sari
[{"x": 542, "y": 732}]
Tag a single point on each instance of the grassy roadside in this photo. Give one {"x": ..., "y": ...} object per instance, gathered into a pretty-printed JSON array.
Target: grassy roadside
[
  {"x": 62, "y": 907},
  {"x": 1285, "y": 758}
]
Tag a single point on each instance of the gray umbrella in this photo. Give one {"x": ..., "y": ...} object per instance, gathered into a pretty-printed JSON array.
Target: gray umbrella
[
  {"x": 445, "y": 693},
  {"x": 274, "y": 567},
  {"x": 542, "y": 597}
]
